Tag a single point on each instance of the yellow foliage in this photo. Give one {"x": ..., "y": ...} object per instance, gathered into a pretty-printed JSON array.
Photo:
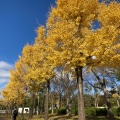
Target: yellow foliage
[
  {"x": 35, "y": 60},
  {"x": 15, "y": 92},
  {"x": 72, "y": 41},
  {"x": 115, "y": 95}
]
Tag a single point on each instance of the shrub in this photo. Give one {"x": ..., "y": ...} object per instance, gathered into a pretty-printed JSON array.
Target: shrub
[
  {"x": 62, "y": 111},
  {"x": 50, "y": 111},
  {"x": 96, "y": 111},
  {"x": 90, "y": 111},
  {"x": 101, "y": 112},
  {"x": 75, "y": 111},
  {"x": 55, "y": 110},
  {"x": 116, "y": 111}
]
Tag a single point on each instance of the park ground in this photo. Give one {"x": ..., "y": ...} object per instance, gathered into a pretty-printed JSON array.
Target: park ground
[{"x": 56, "y": 117}]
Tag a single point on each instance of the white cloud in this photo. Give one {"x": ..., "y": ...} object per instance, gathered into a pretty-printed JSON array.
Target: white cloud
[
  {"x": 5, "y": 65},
  {"x": 4, "y": 80},
  {"x": 4, "y": 73},
  {"x": 2, "y": 87}
]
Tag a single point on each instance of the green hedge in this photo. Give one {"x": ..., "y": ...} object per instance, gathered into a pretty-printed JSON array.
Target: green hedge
[
  {"x": 101, "y": 111},
  {"x": 116, "y": 111},
  {"x": 62, "y": 111},
  {"x": 91, "y": 111},
  {"x": 75, "y": 111},
  {"x": 49, "y": 111}
]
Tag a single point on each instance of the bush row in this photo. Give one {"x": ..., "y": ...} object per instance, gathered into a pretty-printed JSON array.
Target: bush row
[
  {"x": 90, "y": 111},
  {"x": 61, "y": 111},
  {"x": 99, "y": 111},
  {"x": 96, "y": 111}
]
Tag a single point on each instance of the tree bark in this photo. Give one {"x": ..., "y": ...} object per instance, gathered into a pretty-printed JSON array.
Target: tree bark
[
  {"x": 107, "y": 100},
  {"x": 46, "y": 101},
  {"x": 24, "y": 103},
  {"x": 38, "y": 98},
  {"x": 60, "y": 98},
  {"x": 52, "y": 106},
  {"x": 31, "y": 105},
  {"x": 118, "y": 103},
  {"x": 96, "y": 101},
  {"x": 23, "y": 111},
  {"x": 81, "y": 114},
  {"x": 68, "y": 104}
]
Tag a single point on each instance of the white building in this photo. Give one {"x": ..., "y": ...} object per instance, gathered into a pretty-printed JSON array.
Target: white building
[
  {"x": 26, "y": 110},
  {"x": 2, "y": 111}
]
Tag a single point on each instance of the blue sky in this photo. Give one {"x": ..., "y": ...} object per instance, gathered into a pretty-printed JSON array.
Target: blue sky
[{"x": 18, "y": 21}]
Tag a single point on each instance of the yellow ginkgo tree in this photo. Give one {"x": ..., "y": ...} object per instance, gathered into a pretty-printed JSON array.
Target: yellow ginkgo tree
[
  {"x": 32, "y": 75},
  {"x": 45, "y": 66},
  {"x": 14, "y": 91},
  {"x": 18, "y": 77},
  {"x": 75, "y": 40},
  {"x": 13, "y": 95},
  {"x": 8, "y": 100},
  {"x": 38, "y": 68}
]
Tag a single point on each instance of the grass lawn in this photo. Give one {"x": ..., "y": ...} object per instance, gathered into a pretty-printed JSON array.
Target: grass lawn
[
  {"x": 55, "y": 117},
  {"x": 65, "y": 117}
]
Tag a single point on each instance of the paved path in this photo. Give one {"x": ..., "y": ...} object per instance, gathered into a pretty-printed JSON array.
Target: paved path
[{"x": 2, "y": 118}]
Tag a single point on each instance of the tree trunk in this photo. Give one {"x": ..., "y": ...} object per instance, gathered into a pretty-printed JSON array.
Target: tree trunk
[
  {"x": 118, "y": 103},
  {"x": 81, "y": 115},
  {"x": 60, "y": 98},
  {"x": 17, "y": 104},
  {"x": 46, "y": 100},
  {"x": 7, "y": 110},
  {"x": 31, "y": 105},
  {"x": 69, "y": 109},
  {"x": 23, "y": 108},
  {"x": 107, "y": 100},
  {"x": 38, "y": 103},
  {"x": 43, "y": 104},
  {"x": 52, "y": 105},
  {"x": 10, "y": 109},
  {"x": 68, "y": 105},
  {"x": 22, "y": 114},
  {"x": 96, "y": 101}
]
